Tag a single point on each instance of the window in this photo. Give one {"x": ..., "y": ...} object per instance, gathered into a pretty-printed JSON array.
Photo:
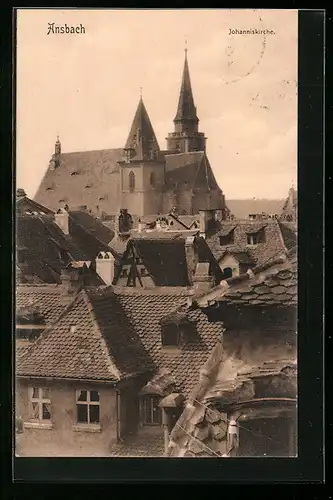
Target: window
[
  {"x": 170, "y": 335},
  {"x": 131, "y": 181},
  {"x": 256, "y": 238},
  {"x": 151, "y": 413},
  {"x": 87, "y": 407},
  {"x": 227, "y": 273},
  {"x": 227, "y": 239},
  {"x": 40, "y": 404}
]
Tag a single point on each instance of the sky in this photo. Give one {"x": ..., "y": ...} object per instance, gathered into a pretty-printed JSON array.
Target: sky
[{"x": 86, "y": 87}]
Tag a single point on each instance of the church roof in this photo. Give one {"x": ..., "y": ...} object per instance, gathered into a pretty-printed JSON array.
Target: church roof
[
  {"x": 186, "y": 109},
  {"x": 142, "y": 137},
  {"x": 88, "y": 178},
  {"x": 191, "y": 170}
]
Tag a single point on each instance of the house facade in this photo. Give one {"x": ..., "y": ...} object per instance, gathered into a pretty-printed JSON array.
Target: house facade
[{"x": 108, "y": 376}]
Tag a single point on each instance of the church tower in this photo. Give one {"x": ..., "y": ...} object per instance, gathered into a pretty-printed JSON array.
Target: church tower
[
  {"x": 142, "y": 168},
  {"x": 186, "y": 137}
]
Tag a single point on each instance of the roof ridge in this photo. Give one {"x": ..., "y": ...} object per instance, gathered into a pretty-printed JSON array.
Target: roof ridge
[
  {"x": 110, "y": 359},
  {"x": 90, "y": 151}
]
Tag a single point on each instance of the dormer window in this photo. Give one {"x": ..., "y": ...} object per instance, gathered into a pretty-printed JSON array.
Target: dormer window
[
  {"x": 227, "y": 239},
  {"x": 170, "y": 336},
  {"x": 256, "y": 238},
  {"x": 75, "y": 172}
]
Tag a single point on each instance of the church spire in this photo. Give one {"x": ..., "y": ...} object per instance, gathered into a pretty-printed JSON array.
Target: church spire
[
  {"x": 141, "y": 143},
  {"x": 186, "y": 137},
  {"x": 186, "y": 109},
  {"x": 57, "y": 146}
]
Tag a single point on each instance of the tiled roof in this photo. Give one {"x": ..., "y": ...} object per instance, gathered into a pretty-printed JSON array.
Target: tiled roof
[
  {"x": 261, "y": 253},
  {"x": 279, "y": 287},
  {"x": 47, "y": 299},
  {"x": 38, "y": 242},
  {"x": 269, "y": 285},
  {"x": 91, "y": 340},
  {"x": 242, "y": 257},
  {"x": 24, "y": 204},
  {"x": 43, "y": 248},
  {"x": 190, "y": 170},
  {"x": 165, "y": 260},
  {"x": 88, "y": 178},
  {"x": 92, "y": 225},
  {"x": 146, "y": 308}
]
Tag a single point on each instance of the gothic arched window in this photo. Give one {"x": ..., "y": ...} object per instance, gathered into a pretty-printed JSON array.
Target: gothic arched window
[{"x": 131, "y": 181}]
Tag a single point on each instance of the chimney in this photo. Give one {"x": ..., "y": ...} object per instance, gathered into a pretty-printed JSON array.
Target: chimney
[
  {"x": 191, "y": 257},
  {"x": 202, "y": 279},
  {"x": 206, "y": 220},
  {"x": 141, "y": 226},
  {"x": 71, "y": 279},
  {"x": 123, "y": 222},
  {"x": 20, "y": 193},
  {"x": 105, "y": 267},
  {"x": 62, "y": 220}
]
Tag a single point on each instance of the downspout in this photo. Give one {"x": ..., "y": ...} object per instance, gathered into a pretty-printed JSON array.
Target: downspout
[{"x": 118, "y": 415}]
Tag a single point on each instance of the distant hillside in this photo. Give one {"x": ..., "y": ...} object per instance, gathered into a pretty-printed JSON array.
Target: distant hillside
[{"x": 242, "y": 208}]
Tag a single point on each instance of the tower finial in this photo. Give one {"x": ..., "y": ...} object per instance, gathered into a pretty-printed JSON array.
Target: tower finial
[
  {"x": 186, "y": 46},
  {"x": 140, "y": 92}
]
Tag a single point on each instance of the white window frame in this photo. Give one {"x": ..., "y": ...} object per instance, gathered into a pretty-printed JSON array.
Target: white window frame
[
  {"x": 40, "y": 400},
  {"x": 88, "y": 403}
]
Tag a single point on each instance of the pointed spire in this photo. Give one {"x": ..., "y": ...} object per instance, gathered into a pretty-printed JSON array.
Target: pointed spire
[
  {"x": 57, "y": 146},
  {"x": 186, "y": 108},
  {"x": 141, "y": 143}
]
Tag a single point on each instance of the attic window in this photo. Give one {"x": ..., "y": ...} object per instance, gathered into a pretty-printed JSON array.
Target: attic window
[
  {"x": 75, "y": 172},
  {"x": 49, "y": 189},
  {"x": 170, "y": 335},
  {"x": 256, "y": 238},
  {"x": 87, "y": 186},
  {"x": 227, "y": 239},
  {"x": 61, "y": 201}
]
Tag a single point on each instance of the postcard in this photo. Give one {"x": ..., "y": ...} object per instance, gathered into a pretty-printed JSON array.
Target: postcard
[{"x": 156, "y": 240}]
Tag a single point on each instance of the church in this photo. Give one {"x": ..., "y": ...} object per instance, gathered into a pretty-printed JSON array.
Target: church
[{"x": 139, "y": 177}]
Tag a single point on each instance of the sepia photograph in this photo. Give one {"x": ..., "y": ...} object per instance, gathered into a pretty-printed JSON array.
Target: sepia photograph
[{"x": 156, "y": 233}]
